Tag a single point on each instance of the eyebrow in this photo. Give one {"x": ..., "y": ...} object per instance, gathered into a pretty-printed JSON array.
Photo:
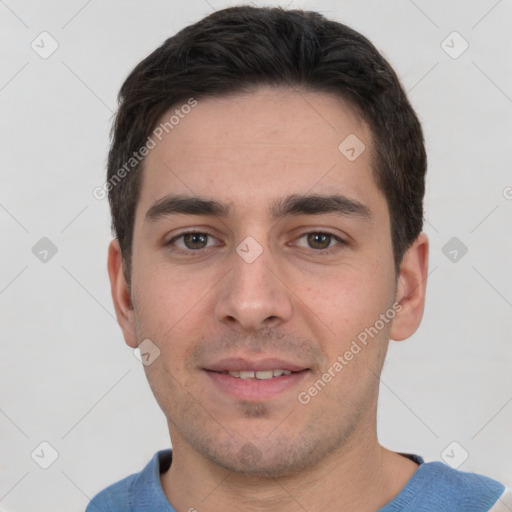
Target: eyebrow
[{"x": 291, "y": 205}]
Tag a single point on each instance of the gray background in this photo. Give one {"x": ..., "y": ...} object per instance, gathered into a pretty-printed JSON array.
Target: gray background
[{"x": 66, "y": 375}]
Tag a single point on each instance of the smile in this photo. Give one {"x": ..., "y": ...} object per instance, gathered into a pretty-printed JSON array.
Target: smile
[
  {"x": 262, "y": 374},
  {"x": 256, "y": 385}
]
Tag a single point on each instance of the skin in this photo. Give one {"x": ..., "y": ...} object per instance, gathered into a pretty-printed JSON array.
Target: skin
[{"x": 294, "y": 301}]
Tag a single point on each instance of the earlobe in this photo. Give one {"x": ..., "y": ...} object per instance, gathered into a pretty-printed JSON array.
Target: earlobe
[
  {"x": 121, "y": 294},
  {"x": 411, "y": 288}
]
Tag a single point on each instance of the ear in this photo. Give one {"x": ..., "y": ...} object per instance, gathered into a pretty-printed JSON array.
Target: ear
[
  {"x": 411, "y": 287},
  {"x": 121, "y": 294}
]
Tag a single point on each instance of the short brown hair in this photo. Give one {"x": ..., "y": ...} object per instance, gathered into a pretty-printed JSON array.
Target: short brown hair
[{"x": 237, "y": 49}]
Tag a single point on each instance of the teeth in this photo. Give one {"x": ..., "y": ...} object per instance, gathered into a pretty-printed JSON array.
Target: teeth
[
  {"x": 262, "y": 374},
  {"x": 266, "y": 374}
]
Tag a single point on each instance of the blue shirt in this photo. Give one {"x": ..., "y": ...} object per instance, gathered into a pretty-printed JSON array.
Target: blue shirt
[{"x": 434, "y": 487}]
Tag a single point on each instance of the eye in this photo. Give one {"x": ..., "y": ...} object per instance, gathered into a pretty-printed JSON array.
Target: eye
[
  {"x": 195, "y": 241},
  {"x": 192, "y": 240},
  {"x": 319, "y": 240}
]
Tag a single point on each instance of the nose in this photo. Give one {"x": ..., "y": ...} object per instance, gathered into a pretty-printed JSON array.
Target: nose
[{"x": 254, "y": 295}]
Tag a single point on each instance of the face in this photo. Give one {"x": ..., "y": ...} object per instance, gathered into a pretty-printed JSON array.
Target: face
[{"x": 261, "y": 257}]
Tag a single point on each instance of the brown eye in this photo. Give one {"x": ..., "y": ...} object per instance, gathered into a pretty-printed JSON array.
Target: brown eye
[
  {"x": 195, "y": 240},
  {"x": 319, "y": 240},
  {"x": 322, "y": 242},
  {"x": 190, "y": 242}
]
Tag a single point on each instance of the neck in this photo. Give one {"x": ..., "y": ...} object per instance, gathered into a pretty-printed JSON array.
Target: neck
[{"x": 361, "y": 475}]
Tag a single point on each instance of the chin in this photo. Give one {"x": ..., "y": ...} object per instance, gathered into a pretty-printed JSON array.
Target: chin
[{"x": 265, "y": 459}]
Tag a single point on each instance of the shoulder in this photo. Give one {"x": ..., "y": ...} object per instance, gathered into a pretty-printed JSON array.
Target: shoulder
[
  {"x": 114, "y": 497},
  {"x": 458, "y": 484},
  {"x": 124, "y": 495},
  {"x": 437, "y": 486}
]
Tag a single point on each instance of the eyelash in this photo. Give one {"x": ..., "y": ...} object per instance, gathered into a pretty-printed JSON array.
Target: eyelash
[{"x": 197, "y": 252}]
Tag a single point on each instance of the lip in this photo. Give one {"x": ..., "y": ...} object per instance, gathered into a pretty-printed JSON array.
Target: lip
[
  {"x": 254, "y": 389},
  {"x": 232, "y": 364}
]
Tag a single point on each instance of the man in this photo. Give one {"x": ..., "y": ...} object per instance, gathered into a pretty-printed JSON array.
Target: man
[{"x": 266, "y": 180}]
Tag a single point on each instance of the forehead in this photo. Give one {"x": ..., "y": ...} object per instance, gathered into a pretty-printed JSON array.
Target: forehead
[
  {"x": 279, "y": 119},
  {"x": 249, "y": 149}
]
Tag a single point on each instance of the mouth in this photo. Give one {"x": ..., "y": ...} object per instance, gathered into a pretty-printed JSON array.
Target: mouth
[
  {"x": 261, "y": 375},
  {"x": 255, "y": 380}
]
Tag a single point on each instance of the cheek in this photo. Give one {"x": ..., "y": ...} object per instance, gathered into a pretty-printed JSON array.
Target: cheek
[
  {"x": 165, "y": 294},
  {"x": 174, "y": 307},
  {"x": 349, "y": 296},
  {"x": 348, "y": 308},
  {"x": 162, "y": 315}
]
